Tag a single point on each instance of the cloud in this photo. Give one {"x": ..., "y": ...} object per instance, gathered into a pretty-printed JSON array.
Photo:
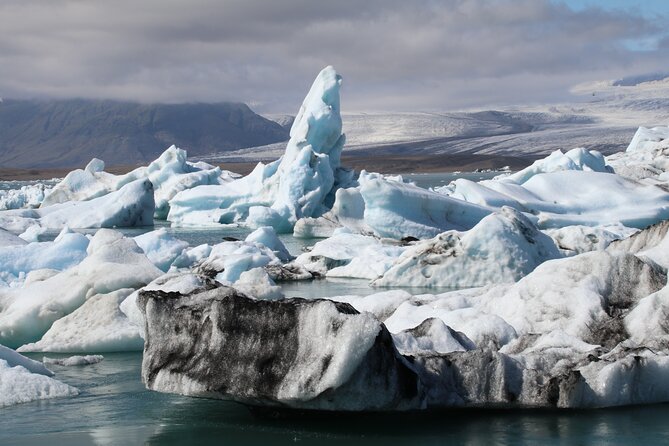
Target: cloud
[{"x": 394, "y": 55}]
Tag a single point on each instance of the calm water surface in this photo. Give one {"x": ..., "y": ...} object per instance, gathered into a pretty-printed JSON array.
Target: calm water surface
[{"x": 114, "y": 408}]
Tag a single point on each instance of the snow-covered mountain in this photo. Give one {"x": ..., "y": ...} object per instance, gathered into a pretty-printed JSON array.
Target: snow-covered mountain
[{"x": 603, "y": 116}]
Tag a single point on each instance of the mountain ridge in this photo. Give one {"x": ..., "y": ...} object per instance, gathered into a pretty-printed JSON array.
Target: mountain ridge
[{"x": 69, "y": 132}]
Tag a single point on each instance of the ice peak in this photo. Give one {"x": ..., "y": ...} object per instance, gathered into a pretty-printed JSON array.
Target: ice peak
[{"x": 318, "y": 123}]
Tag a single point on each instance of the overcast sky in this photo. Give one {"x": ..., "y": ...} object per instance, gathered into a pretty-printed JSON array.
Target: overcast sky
[{"x": 394, "y": 55}]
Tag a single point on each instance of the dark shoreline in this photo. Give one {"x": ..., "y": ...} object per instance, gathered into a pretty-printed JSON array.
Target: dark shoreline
[{"x": 382, "y": 164}]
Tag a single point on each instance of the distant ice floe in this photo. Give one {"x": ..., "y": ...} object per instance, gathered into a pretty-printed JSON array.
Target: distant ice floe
[
  {"x": 28, "y": 196},
  {"x": 73, "y": 360}
]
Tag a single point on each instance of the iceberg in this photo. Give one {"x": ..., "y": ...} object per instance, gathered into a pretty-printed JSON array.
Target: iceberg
[
  {"x": 23, "y": 380},
  {"x": 571, "y": 197},
  {"x": 161, "y": 248},
  {"x": 308, "y": 354},
  {"x": 502, "y": 247},
  {"x": 16, "y": 261},
  {"x": 646, "y": 157},
  {"x": 96, "y": 326},
  {"x": 73, "y": 360},
  {"x": 346, "y": 254},
  {"x": 131, "y": 205},
  {"x": 28, "y": 196},
  {"x": 113, "y": 263},
  {"x": 170, "y": 173},
  {"x": 575, "y": 159},
  {"x": 300, "y": 184}
]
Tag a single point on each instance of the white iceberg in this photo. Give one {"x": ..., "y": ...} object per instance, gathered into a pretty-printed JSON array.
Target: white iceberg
[
  {"x": 170, "y": 173},
  {"x": 23, "y": 380},
  {"x": 67, "y": 250},
  {"x": 96, "y": 326},
  {"x": 572, "y": 197},
  {"x": 113, "y": 262},
  {"x": 646, "y": 157},
  {"x": 131, "y": 205},
  {"x": 502, "y": 247},
  {"x": 28, "y": 196},
  {"x": 575, "y": 159},
  {"x": 74, "y": 360},
  {"x": 346, "y": 254},
  {"x": 300, "y": 184},
  {"x": 161, "y": 248}
]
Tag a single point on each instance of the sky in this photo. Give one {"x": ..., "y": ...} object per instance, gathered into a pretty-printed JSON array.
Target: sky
[{"x": 394, "y": 55}]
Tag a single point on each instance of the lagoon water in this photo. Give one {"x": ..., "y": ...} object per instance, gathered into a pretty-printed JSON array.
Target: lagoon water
[{"x": 114, "y": 408}]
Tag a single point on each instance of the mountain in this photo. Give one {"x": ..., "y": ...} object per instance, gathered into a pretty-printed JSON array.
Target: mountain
[{"x": 68, "y": 133}]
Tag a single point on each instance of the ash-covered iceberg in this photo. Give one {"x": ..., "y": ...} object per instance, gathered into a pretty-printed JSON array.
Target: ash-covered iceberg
[
  {"x": 294, "y": 353},
  {"x": 300, "y": 184}
]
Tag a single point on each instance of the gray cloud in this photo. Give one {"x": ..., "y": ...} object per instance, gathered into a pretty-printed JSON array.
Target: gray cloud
[{"x": 394, "y": 55}]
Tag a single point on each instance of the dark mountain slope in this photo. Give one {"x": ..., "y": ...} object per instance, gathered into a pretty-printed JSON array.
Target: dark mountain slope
[{"x": 67, "y": 133}]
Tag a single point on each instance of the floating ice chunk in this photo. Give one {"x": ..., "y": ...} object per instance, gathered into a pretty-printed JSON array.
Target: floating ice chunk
[
  {"x": 256, "y": 283},
  {"x": 28, "y": 196},
  {"x": 558, "y": 199},
  {"x": 74, "y": 360},
  {"x": 96, "y": 326},
  {"x": 228, "y": 260},
  {"x": 502, "y": 247},
  {"x": 23, "y": 380},
  {"x": 300, "y": 184},
  {"x": 646, "y": 157},
  {"x": 18, "y": 385},
  {"x": 575, "y": 159},
  {"x": 348, "y": 211},
  {"x": 160, "y": 247},
  {"x": 350, "y": 255},
  {"x": 396, "y": 210},
  {"x": 67, "y": 250},
  {"x": 323, "y": 355},
  {"x": 13, "y": 359},
  {"x": 131, "y": 205},
  {"x": 113, "y": 262},
  {"x": 578, "y": 238},
  {"x": 267, "y": 236}
]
